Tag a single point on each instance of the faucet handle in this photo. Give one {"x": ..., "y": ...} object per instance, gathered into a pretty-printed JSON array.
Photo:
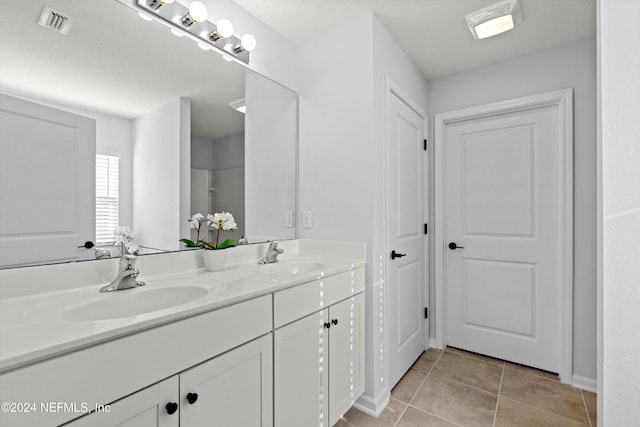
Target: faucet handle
[
  {"x": 127, "y": 262},
  {"x": 273, "y": 245}
]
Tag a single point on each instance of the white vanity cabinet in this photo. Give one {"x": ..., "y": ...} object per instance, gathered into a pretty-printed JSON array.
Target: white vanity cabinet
[
  {"x": 318, "y": 358},
  {"x": 230, "y": 345},
  {"x": 231, "y": 390}
]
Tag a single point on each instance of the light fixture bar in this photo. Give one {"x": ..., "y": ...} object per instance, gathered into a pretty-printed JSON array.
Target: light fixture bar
[{"x": 180, "y": 20}]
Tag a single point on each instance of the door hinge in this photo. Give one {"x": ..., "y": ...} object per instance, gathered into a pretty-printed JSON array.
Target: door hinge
[
  {"x": 426, "y": 146},
  {"x": 426, "y": 229},
  {"x": 426, "y": 312}
]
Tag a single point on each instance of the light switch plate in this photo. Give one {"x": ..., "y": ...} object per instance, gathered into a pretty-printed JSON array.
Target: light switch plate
[
  {"x": 288, "y": 219},
  {"x": 306, "y": 219}
]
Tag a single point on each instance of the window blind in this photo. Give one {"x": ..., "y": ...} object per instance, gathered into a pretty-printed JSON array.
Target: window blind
[{"x": 106, "y": 198}]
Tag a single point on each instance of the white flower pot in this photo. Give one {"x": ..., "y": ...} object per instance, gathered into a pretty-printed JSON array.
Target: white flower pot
[{"x": 214, "y": 260}]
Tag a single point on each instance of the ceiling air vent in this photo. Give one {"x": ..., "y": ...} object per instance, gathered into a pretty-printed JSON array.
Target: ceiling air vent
[{"x": 55, "y": 20}]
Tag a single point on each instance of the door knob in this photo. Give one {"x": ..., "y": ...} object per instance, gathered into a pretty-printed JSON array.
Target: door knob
[
  {"x": 87, "y": 245},
  {"x": 192, "y": 398},
  {"x": 453, "y": 246},
  {"x": 171, "y": 407},
  {"x": 395, "y": 255}
]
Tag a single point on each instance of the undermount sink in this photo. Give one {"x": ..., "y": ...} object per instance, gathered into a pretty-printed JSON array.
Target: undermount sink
[
  {"x": 292, "y": 268},
  {"x": 129, "y": 303},
  {"x": 89, "y": 305}
]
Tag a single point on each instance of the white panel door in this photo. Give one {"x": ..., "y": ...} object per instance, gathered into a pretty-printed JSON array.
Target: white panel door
[
  {"x": 47, "y": 183},
  {"x": 406, "y": 287},
  {"x": 502, "y": 213}
]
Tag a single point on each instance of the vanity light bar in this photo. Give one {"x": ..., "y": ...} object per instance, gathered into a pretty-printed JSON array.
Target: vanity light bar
[{"x": 205, "y": 33}]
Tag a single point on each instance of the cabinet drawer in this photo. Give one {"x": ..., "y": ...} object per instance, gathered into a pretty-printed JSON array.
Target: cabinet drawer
[{"x": 296, "y": 302}]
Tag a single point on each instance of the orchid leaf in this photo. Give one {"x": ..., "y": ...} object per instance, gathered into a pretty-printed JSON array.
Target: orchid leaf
[
  {"x": 225, "y": 244},
  {"x": 189, "y": 243}
]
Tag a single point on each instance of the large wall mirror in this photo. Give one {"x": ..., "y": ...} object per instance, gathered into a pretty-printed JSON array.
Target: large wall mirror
[{"x": 120, "y": 89}]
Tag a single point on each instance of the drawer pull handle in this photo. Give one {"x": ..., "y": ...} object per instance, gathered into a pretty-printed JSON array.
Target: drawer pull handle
[
  {"x": 334, "y": 321},
  {"x": 192, "y": 398},
  {"x": 327, "y": 325},
  {"x": 171, "y": 408}
]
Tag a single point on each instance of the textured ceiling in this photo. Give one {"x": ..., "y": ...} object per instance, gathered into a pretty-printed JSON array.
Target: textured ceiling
[{"x": 433, "y": 32}]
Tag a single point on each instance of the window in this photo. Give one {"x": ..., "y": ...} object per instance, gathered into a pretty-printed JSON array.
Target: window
[{"x": 106, "y": 198}]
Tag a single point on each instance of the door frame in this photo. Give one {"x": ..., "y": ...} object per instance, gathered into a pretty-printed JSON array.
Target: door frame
[
  {"x": 563, "y": 99},
  {"x": 394, "y": 89}
]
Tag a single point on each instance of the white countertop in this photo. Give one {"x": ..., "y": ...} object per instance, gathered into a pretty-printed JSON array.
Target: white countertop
[{"x": 32, "y": 327}]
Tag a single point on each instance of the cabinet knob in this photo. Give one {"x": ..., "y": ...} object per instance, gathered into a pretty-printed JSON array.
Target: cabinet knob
[
  {"x": 327, "y": 325},
  {"x": 171, "y": 407},
  {"x": 192, "y": 398},
  {"x": 334, "y": 321}
]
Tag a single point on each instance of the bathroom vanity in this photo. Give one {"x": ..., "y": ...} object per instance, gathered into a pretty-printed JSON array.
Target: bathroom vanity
[{"x": 280, "y": 344}]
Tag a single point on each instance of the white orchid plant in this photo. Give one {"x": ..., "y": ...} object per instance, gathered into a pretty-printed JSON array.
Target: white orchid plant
[
  {"x": 221, "y": 221},
  {"x": 124, "y": 238}
]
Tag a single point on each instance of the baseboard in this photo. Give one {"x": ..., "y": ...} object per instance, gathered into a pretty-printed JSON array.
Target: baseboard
[
  {"x": 433, "y": 344},
  {"x": 373, "y": 406},
  {"x": 584, "y": 383}
]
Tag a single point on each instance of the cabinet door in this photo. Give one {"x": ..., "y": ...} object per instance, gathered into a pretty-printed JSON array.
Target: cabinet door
[
  {"x": 300, "y": 374},
  {"x": 346, "y": 355},
  {"x": 232, "y": 390},
  {"x": 146, "y": 408}
]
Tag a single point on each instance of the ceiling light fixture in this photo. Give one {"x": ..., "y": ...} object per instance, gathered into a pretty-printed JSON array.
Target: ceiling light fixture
[
  {"x": 494, "y": 19},
  {"x": 239, "y": 105},
  {"x": 208, "y": 35}
]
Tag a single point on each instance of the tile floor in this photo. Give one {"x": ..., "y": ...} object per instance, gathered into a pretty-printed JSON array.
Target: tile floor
[{"x": 458, "y": 388}]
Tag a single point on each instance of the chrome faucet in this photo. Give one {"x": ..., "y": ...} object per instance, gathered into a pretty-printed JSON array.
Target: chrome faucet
[
  {"x": 272, "y": 253},
  {"x": 126, "y": 278}
]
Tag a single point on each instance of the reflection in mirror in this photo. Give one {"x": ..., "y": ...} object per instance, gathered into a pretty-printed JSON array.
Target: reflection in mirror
[{"x": 160, "y": 106}]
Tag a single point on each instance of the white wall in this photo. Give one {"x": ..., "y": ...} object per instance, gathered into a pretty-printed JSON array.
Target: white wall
[
  {"x": 569, "y": 66},
  {"x": 342, "y": 115},
  {"x": 619, "y": 273},
  {"x": 161, "y": 204},
  {"x": 270, "y": 158}
]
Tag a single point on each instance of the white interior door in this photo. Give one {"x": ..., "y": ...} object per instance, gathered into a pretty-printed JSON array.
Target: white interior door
[
  {"x": 47, "y": 183},
  {"x": 502, "y": 202},
  {"x": 406, "y": 273}
]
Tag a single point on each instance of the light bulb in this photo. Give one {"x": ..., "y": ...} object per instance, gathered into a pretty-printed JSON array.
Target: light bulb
[
  {"x": 197, "y": 12},
  {"x": 248, "y": 42},
  {"x": 224, "y": 28},
  {"x": 156, "y": 4}
]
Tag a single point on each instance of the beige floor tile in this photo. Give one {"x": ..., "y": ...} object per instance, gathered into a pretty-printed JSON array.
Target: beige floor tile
[
  {"x": 533, "y": 371},
  {"x": 408, "y": 385},
  {"x": 544, "y": 394},
  {"x": 456, "y": 402},
  {"x": 474, "y": 372},
  {"x": 388, "y": 417},
  {"x": 591, "y": 401},
  {"x": 426, "y": 360},
  {"x": 416, "y": 418},
  {"x": 511, "y": 414},
  {"x": 477, "y": 356}
]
